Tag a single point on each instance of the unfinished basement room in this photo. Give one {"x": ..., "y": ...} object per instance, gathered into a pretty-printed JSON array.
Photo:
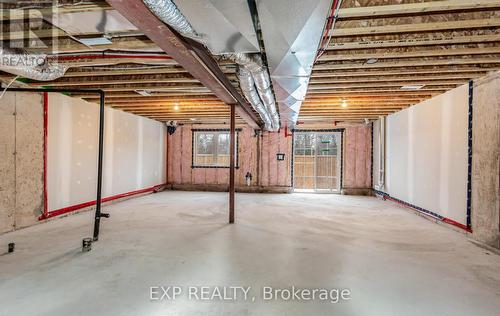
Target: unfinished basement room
[{"x": 250, "y": 157}]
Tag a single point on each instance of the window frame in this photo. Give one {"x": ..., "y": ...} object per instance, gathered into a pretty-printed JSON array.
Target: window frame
[{"x": 215, "y": 131}]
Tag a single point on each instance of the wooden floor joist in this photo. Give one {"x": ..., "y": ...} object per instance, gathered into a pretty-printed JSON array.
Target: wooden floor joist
[
  {"x": 416, "y": 27},
  {"x": 411, "y": 54},
  {"x": 416, "y": 8},
  {"x": 413, "y": 42}
]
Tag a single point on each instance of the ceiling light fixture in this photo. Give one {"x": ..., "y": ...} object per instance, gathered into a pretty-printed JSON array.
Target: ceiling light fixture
[
  {"x": 344, "y": 103},
  {"x": 371, "y": 61},
  {"x": 95, "y": 41},
  {"x": 176, "y": 107},
  {"x": 144, "y": 93},
  {"x": 412, "y": 87}
]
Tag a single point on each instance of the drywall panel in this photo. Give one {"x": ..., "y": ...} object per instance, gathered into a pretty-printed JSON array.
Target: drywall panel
[
  {"x": 134, "y": 152},
  {"x": 426, "y": 160},
  {"x": 397, "y": 155}
]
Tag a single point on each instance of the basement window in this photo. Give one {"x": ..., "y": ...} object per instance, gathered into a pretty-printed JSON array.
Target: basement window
[{"x": 211, "y": 148}]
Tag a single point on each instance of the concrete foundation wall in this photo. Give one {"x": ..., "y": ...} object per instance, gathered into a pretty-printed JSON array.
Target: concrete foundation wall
[
  {"x": 21, "y": 160},
  {"x": 485, "y": 160}
]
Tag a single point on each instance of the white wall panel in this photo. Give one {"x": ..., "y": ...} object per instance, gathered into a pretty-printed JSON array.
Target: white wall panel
[
  {"x": 426, "y": 158},
  {"x": 134, "y": 152}
]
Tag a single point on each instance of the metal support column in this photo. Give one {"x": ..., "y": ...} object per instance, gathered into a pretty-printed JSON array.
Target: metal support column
[{"x": 232, "y": 147}]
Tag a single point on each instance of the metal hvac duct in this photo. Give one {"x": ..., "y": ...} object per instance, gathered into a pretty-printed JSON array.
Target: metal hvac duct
[
  {"x": 291, "y": 47},
  {"x": 247, "y": 86},
  {"x": 31, "y": 66},
  {"x": 234, "y": 37},
  {"x": 168, "y": 12}
]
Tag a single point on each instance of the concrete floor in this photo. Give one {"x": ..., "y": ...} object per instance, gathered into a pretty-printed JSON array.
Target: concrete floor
[{"x": 393, "y": 261}]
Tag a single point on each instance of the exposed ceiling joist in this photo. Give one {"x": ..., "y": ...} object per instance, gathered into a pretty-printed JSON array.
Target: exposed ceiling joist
[
  {"x": 411, "y": 63},
  {"x": 415, "y": 27},
  {"x": 416, "y": 8},
  {"x": 412, "y": 54},
  {"x": 412, "y": 42}
]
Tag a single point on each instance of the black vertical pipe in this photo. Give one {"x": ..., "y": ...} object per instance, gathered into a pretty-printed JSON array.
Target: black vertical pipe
[
  {"x": 232, "y": 148},
  {"x": 469, "y": 159},
  {"x": 371, "y": 156},
  {"x": 99, "y": 168}
]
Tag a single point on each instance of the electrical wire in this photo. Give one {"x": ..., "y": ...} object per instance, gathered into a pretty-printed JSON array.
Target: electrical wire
[
  {"x": 329, "y": 28},
  {"x": 8, "y": 86}
]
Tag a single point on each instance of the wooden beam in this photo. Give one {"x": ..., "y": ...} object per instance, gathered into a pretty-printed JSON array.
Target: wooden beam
[
  {"x": 123, "y": 43},
  {"x": 412, "y": 54},
  {"x": 424, "y": 90},
  {"x": 22, "y": 14},
  {"x": 391, "y": 78},
  {"x": 385, "y": 84},
  {"x": 122, "y": 72},
  {"x": 195, "y": 90},
  {"x": 117, "y": 61},
  {"x": 366, "y": 97},
  {"x": 415, "y": 27},
  {"x": 418, "y": 41},
  {"x": 412, "y": 63},
  {"x": 416, "y": 8},
  {"x": 17, "y": 14},
  {"x": 91, "y": 82},
  {"x": 173, "y": 94},
  {"x": 124, "y": 103},
  {"x": 477, "y": 71},
  {"x": 31, "y": 34}
]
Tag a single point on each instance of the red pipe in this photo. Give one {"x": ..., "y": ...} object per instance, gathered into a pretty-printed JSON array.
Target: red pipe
[
  {"x": 91, "y": 203},
  {"x": 443, "y": 219}
]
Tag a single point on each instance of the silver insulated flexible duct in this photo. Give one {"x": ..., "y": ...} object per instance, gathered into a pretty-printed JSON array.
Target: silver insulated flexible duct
[
  {"x": 31, "y": 66},
  {"x": 254, "y": 66},
  {"x": 247, "y": 86},
  {"x": 168, "y": 12}
]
